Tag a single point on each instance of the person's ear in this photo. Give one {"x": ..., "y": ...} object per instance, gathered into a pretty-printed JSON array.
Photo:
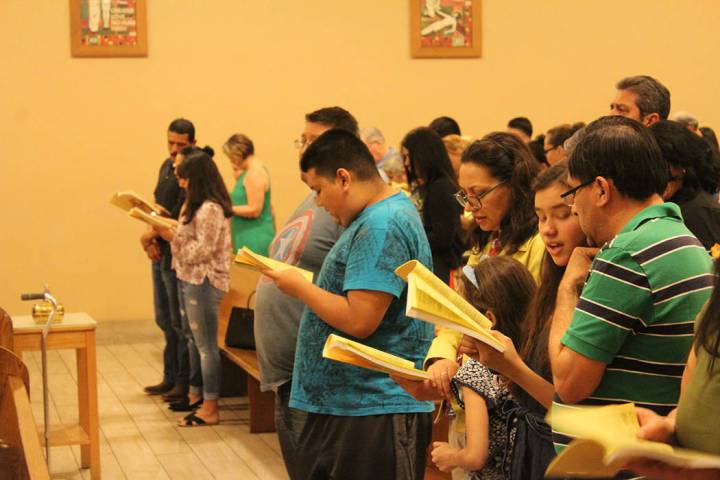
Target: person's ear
[
  {"x": 343, "y": 176},
  {"x": 491, "y": 316},
  {"x": 650, "y": 118},
  {"x": 603, "y": 190}
]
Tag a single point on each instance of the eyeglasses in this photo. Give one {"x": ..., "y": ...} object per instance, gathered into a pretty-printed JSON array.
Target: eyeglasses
[
  {"x": 548, "y": 150},
  {"x": 475, "y": 201},
  {"x": 569, "y": 196},
  {"x": 303, "y": 142}
]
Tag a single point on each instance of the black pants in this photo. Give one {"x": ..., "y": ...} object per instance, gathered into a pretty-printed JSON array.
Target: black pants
[{"x": 375, "y": 447}]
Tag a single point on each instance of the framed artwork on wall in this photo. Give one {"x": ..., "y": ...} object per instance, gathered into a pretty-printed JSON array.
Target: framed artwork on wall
[
  {"x": 445, "y": 28},
  {"x": 108, "y": 28}
]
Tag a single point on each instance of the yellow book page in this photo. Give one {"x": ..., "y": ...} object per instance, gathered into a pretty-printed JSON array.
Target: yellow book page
[
  {"x": 248, "y": 258},
  {"x": 129, "y": 199},
  {"x": 441, "y": 292},
  {"x": 152, "y": 218},
  {"x": 354, "y": 353},
  {"x": 430, "y": 300}
]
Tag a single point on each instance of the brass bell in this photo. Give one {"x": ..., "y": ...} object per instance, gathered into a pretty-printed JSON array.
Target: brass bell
[{"x": 41, "y": 312}]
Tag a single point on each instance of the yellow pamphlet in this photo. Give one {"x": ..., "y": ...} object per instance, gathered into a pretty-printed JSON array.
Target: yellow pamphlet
[
  {"x": 353, "y": 353},
  {"x": 431, "y": 300},
  {"x": 129, "y": 199},
  {"x": 153, "y": 218},
  {"x": 606, "y": 440},
  {"x": 247, "y": 258}
]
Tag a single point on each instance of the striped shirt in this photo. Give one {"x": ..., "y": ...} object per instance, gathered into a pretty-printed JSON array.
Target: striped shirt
[{"x": 637, "y": 310}]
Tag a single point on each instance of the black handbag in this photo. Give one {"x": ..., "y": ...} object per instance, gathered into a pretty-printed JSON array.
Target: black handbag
[{"x": 240, "y": 327}]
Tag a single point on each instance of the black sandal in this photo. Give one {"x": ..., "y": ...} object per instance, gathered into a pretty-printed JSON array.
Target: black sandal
[
  {"x": 193, "y": 420},
  {"x": 184, "y": 405}
]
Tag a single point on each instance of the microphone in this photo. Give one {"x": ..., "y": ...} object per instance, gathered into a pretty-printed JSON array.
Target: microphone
[{"x": 32, "y": 296}]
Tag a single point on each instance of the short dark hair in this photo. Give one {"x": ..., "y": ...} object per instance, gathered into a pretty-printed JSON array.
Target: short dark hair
[
  {"x": 204, "y": 181},
  {"x": 682, "y": 148},
  {"x": 429, "y": 160},
  {"x": 445, "y": 126},
  {"x": 338, "y": 148},
  {"x": 624, "y": 151},
  {"x": 183, "y": 127},
  {"x": 523, "y": 124},
  {"x": 652, "y": 96},
  {"x": 556, "y": 136},
  {"x": 507, "y": 159},
  {"x": 334, "y": 117}
]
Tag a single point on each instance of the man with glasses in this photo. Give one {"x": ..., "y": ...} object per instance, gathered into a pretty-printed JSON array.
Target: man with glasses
[
  {"x": 626, "y": 336},
  {"x": 304, "y": 241}
]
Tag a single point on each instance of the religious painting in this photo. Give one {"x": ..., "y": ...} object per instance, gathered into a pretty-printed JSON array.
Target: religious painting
[
  {"x": 445, "y": 28},
  {"x": 108, "y": 28}
]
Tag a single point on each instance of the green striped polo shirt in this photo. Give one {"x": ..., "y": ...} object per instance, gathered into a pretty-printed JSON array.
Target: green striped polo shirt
[{"x": 637, "y": 310}]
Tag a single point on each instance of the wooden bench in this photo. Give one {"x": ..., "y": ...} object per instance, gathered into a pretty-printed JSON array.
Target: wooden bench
[
  {"x": 243, "y": 370},
  {"x": 21, "y": 455}
]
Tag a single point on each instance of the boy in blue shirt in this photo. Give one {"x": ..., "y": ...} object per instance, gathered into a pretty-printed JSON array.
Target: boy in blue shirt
[{"x": 360, "y": 424}]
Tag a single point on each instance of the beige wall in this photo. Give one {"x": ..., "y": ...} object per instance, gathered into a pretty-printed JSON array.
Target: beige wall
[{"x": 76, "y": 130}]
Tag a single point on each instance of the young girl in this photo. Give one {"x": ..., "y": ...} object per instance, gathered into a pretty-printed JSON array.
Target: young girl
[
  {"x": 201, "y": 248},
  {"x": 502, "y": 288}
]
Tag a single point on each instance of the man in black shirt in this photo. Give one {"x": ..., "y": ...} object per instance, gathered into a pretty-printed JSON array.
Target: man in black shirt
[{"x": 169, "y": 195}]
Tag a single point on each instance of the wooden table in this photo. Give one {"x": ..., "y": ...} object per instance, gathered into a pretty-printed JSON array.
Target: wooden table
[{"x": 76, "y": 331}]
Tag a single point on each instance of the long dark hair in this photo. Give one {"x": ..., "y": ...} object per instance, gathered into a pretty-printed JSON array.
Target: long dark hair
[
  {"x": 506, "y": 287},
  {"x": 707, "y": 335},
  {"x": 428, "y": 157},
  {"x": 507, "y": 159},
  {"x": 204, "y": 182},
  {"x": 533, "y": 348}
]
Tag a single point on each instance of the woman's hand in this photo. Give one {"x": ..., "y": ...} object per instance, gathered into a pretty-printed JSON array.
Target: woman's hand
[
  {"x": 502, "y": 362},
  {"x": 442, "y": 371},
  {"x": 444, "y": 456},
  {"x": 467, "y": 347},
  {"x": 166, "y": 234}
]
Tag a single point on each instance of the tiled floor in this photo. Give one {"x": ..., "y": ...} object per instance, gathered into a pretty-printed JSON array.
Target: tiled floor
[{"x": 138, "y": 436}]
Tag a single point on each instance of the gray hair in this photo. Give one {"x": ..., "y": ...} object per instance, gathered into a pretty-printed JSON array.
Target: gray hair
[
  {"x": 686, "y": 119},
  {"x": 394, "y": 165},
  {"x": 372, "y": 134}
]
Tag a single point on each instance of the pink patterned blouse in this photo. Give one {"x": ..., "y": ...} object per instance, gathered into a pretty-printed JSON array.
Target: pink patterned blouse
[{"x": 203, "y": 248}]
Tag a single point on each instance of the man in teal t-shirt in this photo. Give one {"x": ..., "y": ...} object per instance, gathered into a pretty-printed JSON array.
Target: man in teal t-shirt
[{"x": 360, "y": 423}]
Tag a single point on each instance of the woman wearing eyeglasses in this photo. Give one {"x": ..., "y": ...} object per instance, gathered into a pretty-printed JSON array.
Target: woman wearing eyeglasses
[{"x": 430, "y": 174}]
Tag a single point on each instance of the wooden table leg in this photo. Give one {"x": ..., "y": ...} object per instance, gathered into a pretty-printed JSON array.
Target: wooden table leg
[{"x": 88, "y": 404}]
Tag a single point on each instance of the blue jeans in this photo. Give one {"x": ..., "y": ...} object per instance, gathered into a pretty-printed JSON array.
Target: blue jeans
[
  {"x": 167, "y": 317},
  {"x": 195, "y": 380},
  {"x": 201, "y": 303}
]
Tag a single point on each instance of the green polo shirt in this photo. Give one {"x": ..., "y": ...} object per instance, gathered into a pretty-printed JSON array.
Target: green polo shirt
[{"x": 637, "y": 309}]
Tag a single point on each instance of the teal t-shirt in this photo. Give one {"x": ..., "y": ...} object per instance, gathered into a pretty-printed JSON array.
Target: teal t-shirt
[{"x": 384, "y": 236}]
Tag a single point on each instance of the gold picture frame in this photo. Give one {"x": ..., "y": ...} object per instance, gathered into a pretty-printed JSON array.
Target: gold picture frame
[
  {"x": 445, "y": 28},
  {"x": 108, "y": 28}
]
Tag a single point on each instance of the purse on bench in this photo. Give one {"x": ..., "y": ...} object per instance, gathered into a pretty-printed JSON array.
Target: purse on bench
[{"x": 240, "y": 327}]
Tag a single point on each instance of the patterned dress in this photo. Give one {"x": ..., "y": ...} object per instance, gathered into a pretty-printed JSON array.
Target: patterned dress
[{"x": 501, "y": 421}]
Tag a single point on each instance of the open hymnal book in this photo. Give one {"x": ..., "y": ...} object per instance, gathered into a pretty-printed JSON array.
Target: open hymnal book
[
  {"x": 353, "y": 353},
  {"x": 247, "y": 258},
  {"x": 433, "y": 301},
  {"x": 129, "y": 199},
  {"x": 153, "y": 218},
  {"x": 606, "y": 440}
]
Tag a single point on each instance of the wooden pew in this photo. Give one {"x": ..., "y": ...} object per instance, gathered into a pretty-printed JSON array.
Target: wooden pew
[
  {"x": 241, "y": 373},
  {"x": 21, "y": 455}
]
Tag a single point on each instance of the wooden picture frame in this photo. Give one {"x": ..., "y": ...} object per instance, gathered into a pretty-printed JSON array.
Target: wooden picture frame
[
  {"x": 445, "y": 28},
  {"x": 108, "y": 28}
]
